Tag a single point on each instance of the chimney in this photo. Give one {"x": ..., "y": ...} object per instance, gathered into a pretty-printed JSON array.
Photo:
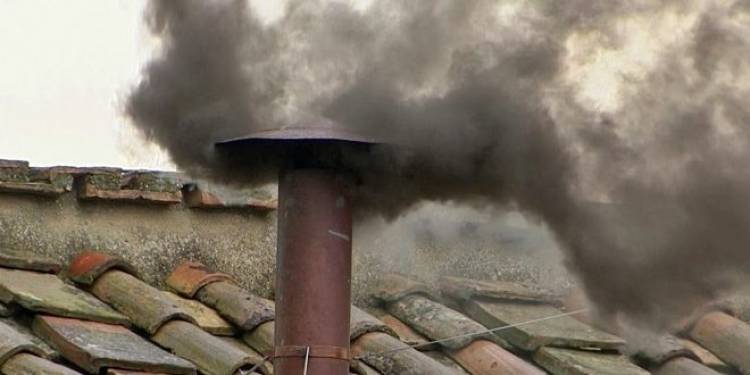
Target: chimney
[{"x": 314, "y": 247}]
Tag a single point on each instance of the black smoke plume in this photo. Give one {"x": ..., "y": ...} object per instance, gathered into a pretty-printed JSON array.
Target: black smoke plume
[{"x": 484, "y": 100}]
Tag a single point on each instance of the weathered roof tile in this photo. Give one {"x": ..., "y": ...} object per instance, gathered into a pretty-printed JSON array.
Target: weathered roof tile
[
  {"x": 38, "y": 181},
  {"x": 4, "y": 163},
  {"x": 487, "y": 358},
  {"x": 407, "y": 334},
  {"x": 245, "y": 310},
  {"x": 35, "y": 188},
  {"x": 197, "y": 197},
  {"x": 29, "y": 364},
  {"x": 189, "y": 277},
  {"x": 135, "y": 187},
  {"x": 725, "y": 336},
  {"x": 265, "y": 367},
  {"x": 659, "y": 349},
  {"x": 13, "y": 342},
  {"x": 47, "y": 293},
  {"x": 683, "y": 366},
  {"x": 206, "y": 317},
  {"x": 440, "y": 357},
  {"x": 396, "y": 358},
  {"x": 27, "y": 260},
  {"x": 147, "y": 307},
  {"x": 362, "y": 368},
  {"x": 738, "y": 305},
  {"x": 560, "y": 361},
  {"x": 563, "y": 331},
  {"x": 97, "y": 346},
  {"x": 211, "y": 354},
  {"x": 217, "y": 290},
  {"x": 437, "y": 321},
  {"x": 361, "y": 322},
  {"x": 393, "y": 287},
  {"x": 88, "y": 265},
  {"x": 707, "y": 358},
  {"x": 46, "y": 351},
  {"x": 261, "y": 338},
  {"x": 464, "y": 289}
]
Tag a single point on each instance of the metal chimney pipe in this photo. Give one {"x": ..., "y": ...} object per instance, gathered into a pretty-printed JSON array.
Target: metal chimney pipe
[
  {"x": 316, "y": 164},
  {"x": 313, "y": 272}
]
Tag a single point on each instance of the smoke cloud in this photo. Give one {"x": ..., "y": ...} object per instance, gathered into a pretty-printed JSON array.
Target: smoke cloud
[{"x": 493, "y": 104}]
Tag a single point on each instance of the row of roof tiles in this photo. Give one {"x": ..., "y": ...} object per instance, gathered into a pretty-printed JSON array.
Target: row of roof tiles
[
  {"x": 113, "y": 184},
  {"x": 98, "y": 317}
]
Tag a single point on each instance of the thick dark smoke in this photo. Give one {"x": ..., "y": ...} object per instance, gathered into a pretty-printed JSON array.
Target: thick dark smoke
[{"x": 484, "y": 98}]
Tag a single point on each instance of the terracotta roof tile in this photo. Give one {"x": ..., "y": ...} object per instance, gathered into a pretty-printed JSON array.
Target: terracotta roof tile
[
  {"x": 266, "y": 367},
  {"x": 407, "y": 334},
  {"x": 245, "y": 310},
  {"x": 683, "y": 366},
  {"x": 560, "y": 361},
  {"x": 564, "y": 331},
  {"x": 393, "y": 287},
  {"x": 27, "y": 260},
  {"x": 147, "y": 307},
  {"x": 362, "y": 368},
  {"x": 405, "y": 361},
  {"x": 20, "y": 178},
  {"x": 211, "y": 354},
  {"x": 198, "y": 197},
  {"x": 738, "y": 305},
  {"x": 261, "y": 338},
  {"x": 658, "y": 349},
  {"x": 361, "y": 322},
  {"x": 133, "y": 187},
  {"x": 206, "y": 317},
  {"x": 440, "y": 357},
  {"x": 12, "y": 342},
  {"x": 4, "y": 163},
  {"x": 707, "y": 358},
  {"x": 47, "y": 293},
  {"x": 437, "y": 321},
  {"x": 45, "y": 350},
  {"x": 97, "y": 346},
  {"x": 726, "y": 337},
  {"x": 465, "y": 289},
  {"x": 81, "y": 171},
  {"x": 29, "y": 364},
  {"x": 189, "y": 277},
  {"x": 88, "y": 265},
  {"x": 485, "y": 358}
]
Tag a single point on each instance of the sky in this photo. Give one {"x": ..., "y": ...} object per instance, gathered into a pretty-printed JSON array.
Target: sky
[
  {"x": 65, "y": 70},
  {"x": 66, "y": 67}
]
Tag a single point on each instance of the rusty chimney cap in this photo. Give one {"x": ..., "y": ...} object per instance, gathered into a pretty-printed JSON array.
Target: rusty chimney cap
[
  {"x": 319, "y": 130},
  {"x": 319, "y": 144}
]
